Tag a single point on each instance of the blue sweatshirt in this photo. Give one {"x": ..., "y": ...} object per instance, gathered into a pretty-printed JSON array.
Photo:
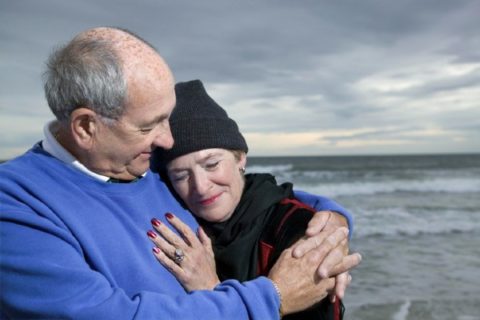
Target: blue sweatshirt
[{"x": 75, "y": 247}]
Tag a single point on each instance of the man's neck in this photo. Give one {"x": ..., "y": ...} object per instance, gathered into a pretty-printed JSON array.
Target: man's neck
[
  {"x": 53, "y": 143},
  {"x": 56, "y": 142}
]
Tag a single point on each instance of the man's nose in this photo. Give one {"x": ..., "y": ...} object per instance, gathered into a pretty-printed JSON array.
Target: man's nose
[{"x": 164, "y": 139}]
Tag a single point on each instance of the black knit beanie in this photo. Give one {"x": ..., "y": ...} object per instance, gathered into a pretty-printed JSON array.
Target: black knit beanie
[{"x": 198, "y": 122}]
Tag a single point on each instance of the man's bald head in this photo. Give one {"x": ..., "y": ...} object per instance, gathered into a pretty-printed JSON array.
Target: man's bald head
[
  {"x": 96, "y": 69},
  {"x": 113, "y": 94}
]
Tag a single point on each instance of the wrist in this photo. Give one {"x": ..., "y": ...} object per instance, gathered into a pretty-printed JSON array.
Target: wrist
[{"x": 280, "y": 298}]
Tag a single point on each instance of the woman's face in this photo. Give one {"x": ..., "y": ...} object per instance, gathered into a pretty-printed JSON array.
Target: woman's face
[{"x": 209, "y": 181}]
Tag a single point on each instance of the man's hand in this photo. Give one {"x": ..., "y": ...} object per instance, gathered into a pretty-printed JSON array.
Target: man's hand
[
  {"x": 320, "y": 227},
  {"x": 297, "y": 279}
]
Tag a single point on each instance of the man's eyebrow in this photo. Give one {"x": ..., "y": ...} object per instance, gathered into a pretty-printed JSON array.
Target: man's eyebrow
[{"x": 154, "y": 121}]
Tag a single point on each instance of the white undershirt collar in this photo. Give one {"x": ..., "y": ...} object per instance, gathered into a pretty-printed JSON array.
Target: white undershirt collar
[{"x": 51, "y": 145}]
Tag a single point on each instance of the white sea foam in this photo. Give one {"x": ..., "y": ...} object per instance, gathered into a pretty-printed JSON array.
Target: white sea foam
[
  {"x": 402, "y": 313},
  {"x": 273, "y": 169},
  {"x": 451, "y": 185},
  {"x": 392, "y": 199},
  {"x": 410, "y": 222}
]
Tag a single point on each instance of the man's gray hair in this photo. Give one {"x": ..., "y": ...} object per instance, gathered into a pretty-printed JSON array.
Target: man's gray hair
[{"x": 85, "y": 73}]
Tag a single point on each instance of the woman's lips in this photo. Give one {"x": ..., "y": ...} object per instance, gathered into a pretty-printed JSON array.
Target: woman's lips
[{"x": 210, "y": 200}]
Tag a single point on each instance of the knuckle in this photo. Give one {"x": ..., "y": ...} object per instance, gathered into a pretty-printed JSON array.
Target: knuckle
[
  {"x": 326, "y": 249},
  {"x": 331, "y": 241},
  {"x": 313, "y": 257}
]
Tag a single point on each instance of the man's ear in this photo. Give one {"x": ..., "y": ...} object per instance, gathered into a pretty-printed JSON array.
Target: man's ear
[{"x": 83, "y": 126}]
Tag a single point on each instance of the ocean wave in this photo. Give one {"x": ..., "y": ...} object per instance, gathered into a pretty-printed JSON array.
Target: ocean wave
[
  {"x": 425, "y": 308},
  {"x": 399, "y": 221},
  {"x": 450, "y": 185},
  {"x": 413, "y": 232},
  {"x": 403, "y": 311},
  {"x": 273, "y": 169}
]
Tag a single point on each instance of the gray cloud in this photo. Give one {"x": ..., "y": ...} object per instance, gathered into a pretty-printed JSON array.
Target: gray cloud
[{"x": 276, "y": 66}]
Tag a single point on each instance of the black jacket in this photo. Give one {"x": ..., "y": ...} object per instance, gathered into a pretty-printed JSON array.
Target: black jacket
[{"x": 266, "y": 221}]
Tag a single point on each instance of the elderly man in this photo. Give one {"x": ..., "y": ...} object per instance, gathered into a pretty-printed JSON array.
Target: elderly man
[{"x": 74, "y": 208}]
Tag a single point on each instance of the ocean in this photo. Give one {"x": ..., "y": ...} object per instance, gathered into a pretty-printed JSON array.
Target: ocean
[{"x": 417, "y": 226}]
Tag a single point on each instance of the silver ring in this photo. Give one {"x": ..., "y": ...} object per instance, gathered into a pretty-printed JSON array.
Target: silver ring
[{"x": 179, "y": 256}]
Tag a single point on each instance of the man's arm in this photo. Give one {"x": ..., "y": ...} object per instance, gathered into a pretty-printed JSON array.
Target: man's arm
[{"x": 46, "y": 274}]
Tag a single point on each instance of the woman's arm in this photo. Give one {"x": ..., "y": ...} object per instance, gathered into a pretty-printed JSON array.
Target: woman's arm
[{"x": 294, "y": 278}]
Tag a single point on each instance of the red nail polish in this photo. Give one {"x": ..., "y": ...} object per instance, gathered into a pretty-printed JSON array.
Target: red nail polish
[
  {"x": 156, "y": 222},
  {"x": 151, "y": 234},
  {"x": 156, "y": 250},
  {"x": 169, "y": 215}
]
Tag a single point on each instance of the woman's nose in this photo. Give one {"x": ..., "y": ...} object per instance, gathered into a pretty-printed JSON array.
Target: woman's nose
[{"x": 201, "y": 183}]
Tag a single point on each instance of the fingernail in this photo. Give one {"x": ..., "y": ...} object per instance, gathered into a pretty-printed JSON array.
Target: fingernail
[
  {"x": 156, "y": 250},
  {"x": 169, "y": 215},
  {"x": 151, "y": 234},
  {"x": 156, "y": 222}
]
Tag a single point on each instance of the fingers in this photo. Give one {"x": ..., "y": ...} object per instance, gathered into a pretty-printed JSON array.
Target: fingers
[
  {"x": 348, "y": 262},
  {"x": 318, "y": 222},
  {"x": 205, "y": 240},
  {"x": 184, "y": 230},
  {"x": 334, "y": 257},
  {"x": 162, "y": 244},
  {"x": 167, "y": 234},
  {"x": 325, "y": 220},
  {"x": 168, "y": 263},
  {"x": 173, "y": 246},
  {"x": 335, "y": 263},
  {"x": 186, "y": 238},
  {"x": 302, "y": 247},
  {"x": 297, "y": 279},
  {"x": 331, "y": 242},
  {"x": 341, "y": 283},
  {"x": 317, "y": 231}
]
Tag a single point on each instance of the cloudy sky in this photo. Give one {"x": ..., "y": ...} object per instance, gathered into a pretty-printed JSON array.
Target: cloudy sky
[{"x": 306, "y": 77}]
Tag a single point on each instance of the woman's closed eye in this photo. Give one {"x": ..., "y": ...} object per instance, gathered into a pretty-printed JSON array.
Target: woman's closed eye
[
  {"x": 177, "y": 177},
  {"x": 212, "y": 165}
]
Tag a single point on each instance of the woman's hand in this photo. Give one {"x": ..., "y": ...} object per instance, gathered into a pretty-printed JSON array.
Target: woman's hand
[{"x": 188, "y": 257}]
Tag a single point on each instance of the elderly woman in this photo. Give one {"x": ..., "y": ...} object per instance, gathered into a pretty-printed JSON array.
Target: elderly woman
[{"x": 249, "y": 218}]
